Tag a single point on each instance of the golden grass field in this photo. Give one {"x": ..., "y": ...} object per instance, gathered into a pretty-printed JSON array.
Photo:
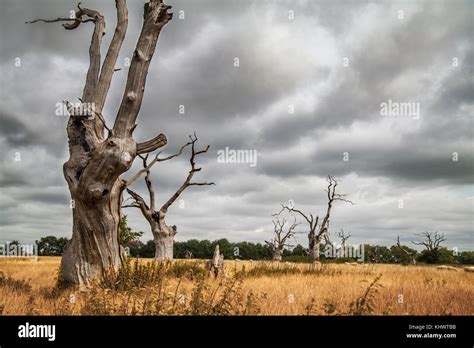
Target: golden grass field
[{"x": 271, "y": 289}]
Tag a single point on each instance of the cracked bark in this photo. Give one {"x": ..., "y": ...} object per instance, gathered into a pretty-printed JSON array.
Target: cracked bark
[{"x": 96, "y": 161}]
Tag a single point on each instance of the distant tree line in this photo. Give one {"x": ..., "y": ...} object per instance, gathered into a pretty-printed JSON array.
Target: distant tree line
[
  {"x": 203, "y": 249},
  {"x": 441, "y": 255}
]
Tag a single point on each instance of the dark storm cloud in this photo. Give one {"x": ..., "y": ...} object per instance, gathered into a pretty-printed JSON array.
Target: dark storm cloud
[
  {"x": 283, "y": 62},
  {"x": 11, "y": 178},
  {"x": 14, "y": 131}
]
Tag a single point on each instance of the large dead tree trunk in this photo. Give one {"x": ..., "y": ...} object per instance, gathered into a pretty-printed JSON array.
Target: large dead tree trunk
[
  {"x": 96, "y": 161},
  {"x": 163, "y": 234},
  {"x": 319, "y": 231},
  {"x": 164, "y": 242},
  {"x": 277, "y": 254},
  {"x": 313, "y": 246}
]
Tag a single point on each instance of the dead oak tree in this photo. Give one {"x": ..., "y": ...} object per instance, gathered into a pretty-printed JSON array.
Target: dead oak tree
[
  {"x": 410, "y": 255},
  {"x": 163, "y": 234},
  {"x": 278, "y": 243},
  {"x": 344, "y": 237},
  {"x": 96, "y": 160},
  {"x": 431, "y": 240},
  {"x": 319, "y": 230}
]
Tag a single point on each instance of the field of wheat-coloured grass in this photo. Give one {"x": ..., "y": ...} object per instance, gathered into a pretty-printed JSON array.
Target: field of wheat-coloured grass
[{"x": 249, "y": 288}]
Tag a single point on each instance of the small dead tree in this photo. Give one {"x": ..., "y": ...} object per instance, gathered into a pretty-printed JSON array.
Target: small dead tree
[
  {"x": 317, "y": 230},
  {"x": 411, "y": 255},
  {"x": 430, "y": 240},
  {"x": 96, "y": 160},
  {"x": 278, "y": 243},
  {"x": 339, "y": 249},
  {"x": 374, "y": 255},
  {"x": 343, "y": 236},
  {"x": 163, "y": 234},
  {"x": 216, "y": 264}
]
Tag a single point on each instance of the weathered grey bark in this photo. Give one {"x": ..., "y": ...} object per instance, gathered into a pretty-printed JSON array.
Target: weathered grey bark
[
  {"x": 96, "y": 162},
  {"x": 163, "y": 234},
  {"x": 216, "y": 264},
  {"x": 319, "y": 231},
  {"x": 164, "y": 242},
  {"x": 277, "y": 255},
  {"x": 313, "y": 248}
]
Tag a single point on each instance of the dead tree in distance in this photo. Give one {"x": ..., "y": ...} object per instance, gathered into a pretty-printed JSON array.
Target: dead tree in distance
[
  {"x": 278, "y": 243},
  {"x": 96, "y": 160},
  {"x": 318, "y": 231},
  {"x": 163, "y": 234},
  {"x": 431, "y": 240},
  {"x": 411, "y": 255},
  {"x": 343, "y": 236}
]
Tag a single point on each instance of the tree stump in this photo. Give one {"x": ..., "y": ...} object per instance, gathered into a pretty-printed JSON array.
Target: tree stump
[{"x": 216, "y": 264}]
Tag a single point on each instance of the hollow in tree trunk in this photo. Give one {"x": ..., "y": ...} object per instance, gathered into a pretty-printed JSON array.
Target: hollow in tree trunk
[{"x": 96, "y": 161}]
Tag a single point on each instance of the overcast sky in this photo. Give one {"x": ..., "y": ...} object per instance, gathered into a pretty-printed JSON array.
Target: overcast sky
[{"x": 333, "y": 63}]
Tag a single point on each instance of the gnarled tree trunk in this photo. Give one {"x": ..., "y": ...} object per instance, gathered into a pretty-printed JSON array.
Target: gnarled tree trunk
[
  {"x": 96, "y": 161},
  {"x": 94, "y": 245}
]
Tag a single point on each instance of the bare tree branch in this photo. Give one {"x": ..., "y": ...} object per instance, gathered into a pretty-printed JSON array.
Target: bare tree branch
[
  {"x": 93, "y": 128},
  {"x": 149, "y": 184},
  {"x": 319, "y": 231},
  {"x": 139, "y": 202},
  {"x": 156, "y": 16},
  {"x": 163, "y": 233},
  {"x": 309, "y": 218},
  {"x": 130, "y": 206},
  {"x": 344, "y": 237},
  {"x": 431, "y": 241},
  {"x": 152, "y": 144},
  {"x": 187, "y": 181},
  {"x": 59, "y": 19},
  {"x": 110, "y": 60},
  {"x": 279, "y": 242},
  {"x": 156, "y": 159}
]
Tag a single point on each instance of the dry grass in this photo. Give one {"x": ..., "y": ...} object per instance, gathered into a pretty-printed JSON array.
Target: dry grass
[{"x": 263, "y": 288}]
